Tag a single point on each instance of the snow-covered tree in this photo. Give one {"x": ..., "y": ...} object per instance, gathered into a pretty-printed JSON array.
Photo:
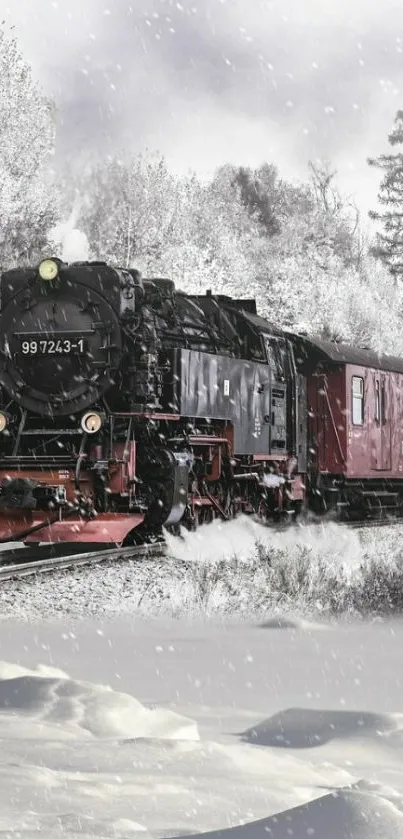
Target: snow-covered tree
[
  {"x": 314, "y": 291},
  {"x": 389, "y": 244},
  {"x": 27, "y": 130},
  {"x": 129, "y": 209},
  {"x": 136, "y": 213}
]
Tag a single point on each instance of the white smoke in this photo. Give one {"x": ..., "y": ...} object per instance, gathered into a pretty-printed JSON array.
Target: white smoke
[{"x": 68, "y": 242}]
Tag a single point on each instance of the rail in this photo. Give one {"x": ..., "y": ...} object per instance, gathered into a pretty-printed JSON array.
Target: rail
[{"x": 19, "y": 569}]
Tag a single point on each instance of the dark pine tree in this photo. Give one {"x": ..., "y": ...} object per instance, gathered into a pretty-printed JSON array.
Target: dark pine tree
[
  {"x": 389, "y": 242},
  {"x": 258, "y": 194}
]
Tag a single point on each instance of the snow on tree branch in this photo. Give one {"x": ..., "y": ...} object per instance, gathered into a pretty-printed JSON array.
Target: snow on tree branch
[{"x": 27, "y": 135}]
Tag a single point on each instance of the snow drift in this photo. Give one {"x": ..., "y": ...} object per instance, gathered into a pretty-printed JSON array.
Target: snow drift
[
  {"x": 221, "y": 752},
  {"x": 348, "y": 814},
  {"x": 51, "y": 696}
]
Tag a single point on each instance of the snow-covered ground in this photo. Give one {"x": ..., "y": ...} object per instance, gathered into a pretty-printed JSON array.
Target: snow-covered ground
[
  {"x": 229, "y": 720},
  {"x": 174, "y": 728},
  {"x": 310, "y": 571}
]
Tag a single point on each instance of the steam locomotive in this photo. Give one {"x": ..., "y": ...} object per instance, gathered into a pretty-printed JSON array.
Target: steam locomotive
[{"x": 128, "y": 406}]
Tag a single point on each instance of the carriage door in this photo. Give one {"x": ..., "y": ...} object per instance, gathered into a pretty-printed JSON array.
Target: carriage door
[
  {"x": 386, "y": 425},
  {"x": 381, "y": 448},
  {"x": 321, "y": 422},
  {"x": 277, "y": 357}
]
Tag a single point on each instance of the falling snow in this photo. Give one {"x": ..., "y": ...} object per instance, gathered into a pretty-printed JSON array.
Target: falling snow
[{"x": 247, "y": 680}]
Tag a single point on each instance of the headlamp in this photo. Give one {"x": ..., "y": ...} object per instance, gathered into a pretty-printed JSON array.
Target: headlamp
[
  {"x": 3, "y": 422},
  {"x": 91, "y": 422},
  {"x": 48, "y": 270}
]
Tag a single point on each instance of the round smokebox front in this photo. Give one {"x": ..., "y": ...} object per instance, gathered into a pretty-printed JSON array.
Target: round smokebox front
[{"x": 60, "y": 348}]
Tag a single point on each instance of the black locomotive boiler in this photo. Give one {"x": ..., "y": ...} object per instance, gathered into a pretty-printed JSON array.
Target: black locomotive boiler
[{"x": 128, "y": 406}]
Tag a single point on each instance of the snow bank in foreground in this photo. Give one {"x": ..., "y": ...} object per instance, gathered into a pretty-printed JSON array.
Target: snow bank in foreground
[
  {"x": 79, "y": 760},
  {"x": 292, "y": 743},
  {"x": 349, "y": 814},
  {"x": 49, "y": 695}
]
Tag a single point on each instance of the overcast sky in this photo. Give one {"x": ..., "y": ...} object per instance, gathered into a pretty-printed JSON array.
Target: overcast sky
[{"x": 211, "y": 81}]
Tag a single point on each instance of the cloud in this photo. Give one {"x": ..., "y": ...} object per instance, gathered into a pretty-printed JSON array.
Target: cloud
[{"x": 221, "y": 80}]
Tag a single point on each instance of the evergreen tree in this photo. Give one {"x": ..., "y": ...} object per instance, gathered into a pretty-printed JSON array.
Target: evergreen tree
[
  {"x": 389, "y": 242},
  {"x": 258, "y": 194}
]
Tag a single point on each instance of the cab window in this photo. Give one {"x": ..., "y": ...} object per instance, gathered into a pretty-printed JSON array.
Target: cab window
[{"x": 277, "y": 358}]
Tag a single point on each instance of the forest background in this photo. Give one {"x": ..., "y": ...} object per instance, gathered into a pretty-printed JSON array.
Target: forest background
[{"x": 301, "y": 249}]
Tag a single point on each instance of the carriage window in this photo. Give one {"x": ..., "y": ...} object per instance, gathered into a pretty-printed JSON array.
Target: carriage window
[
  {"x": 358, "y": 400},
  {"x": 377, "y": 403}
]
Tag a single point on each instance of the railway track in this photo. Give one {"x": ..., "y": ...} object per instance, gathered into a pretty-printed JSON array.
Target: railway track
[
  {"x": 25, "y": 563},
  {"x": 374, "y": 524}
]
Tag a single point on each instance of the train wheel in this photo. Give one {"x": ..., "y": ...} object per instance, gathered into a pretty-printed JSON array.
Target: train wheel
[
  {"x": 209, "y": 515},
  {"x": 142, "y": 536},
  {"x": 262, "y": 511},
  {"x": 203, "y": 515}
]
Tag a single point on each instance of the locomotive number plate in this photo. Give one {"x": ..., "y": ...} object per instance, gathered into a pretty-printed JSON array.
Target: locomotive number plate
[{"x": 52, "y": 346}]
